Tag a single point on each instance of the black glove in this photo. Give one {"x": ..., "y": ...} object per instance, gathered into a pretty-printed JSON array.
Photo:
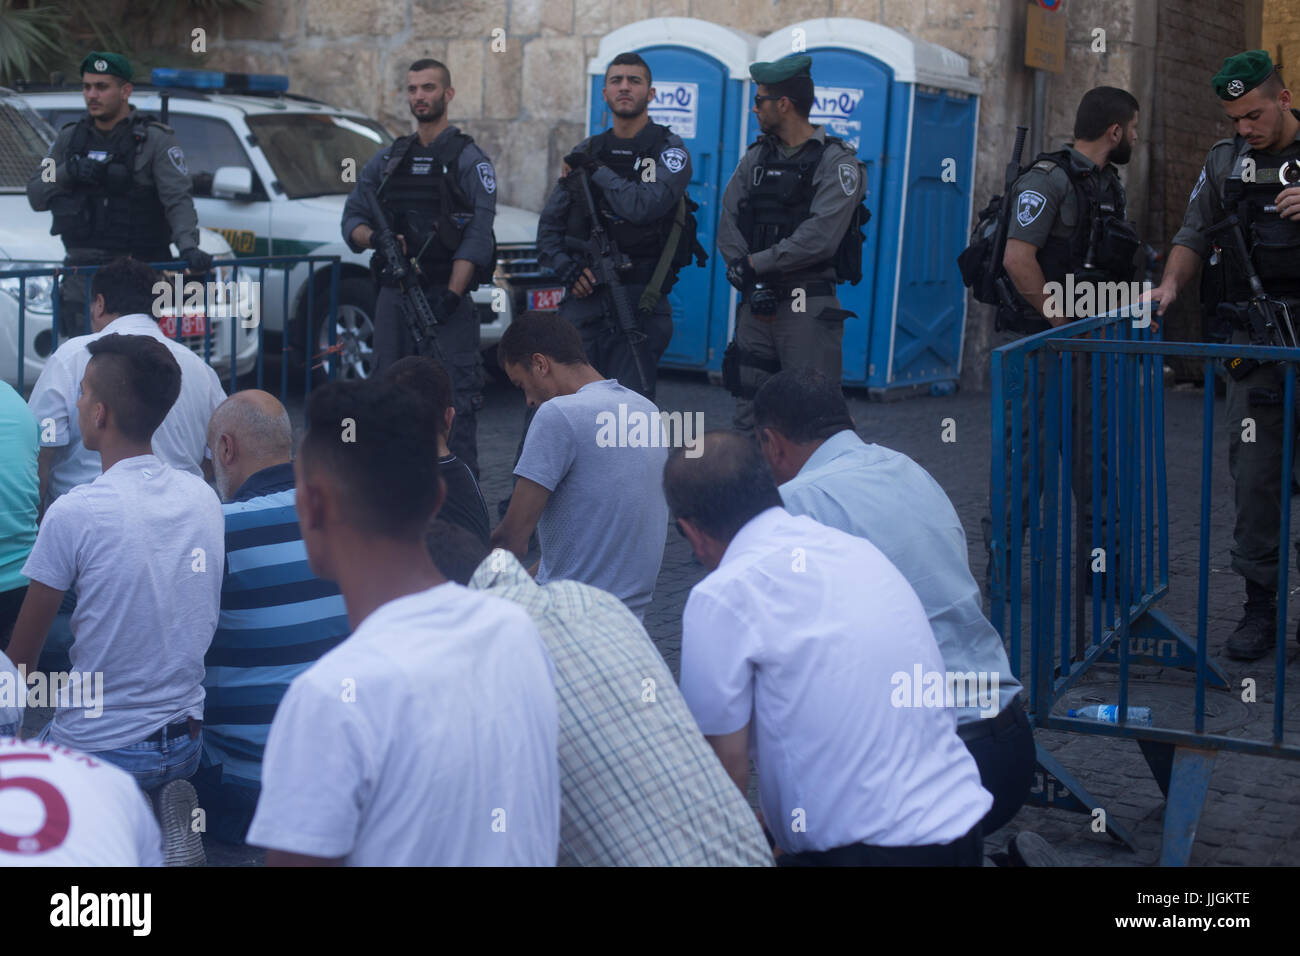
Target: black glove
[
  {"x": 445, "y": 303},
  {"x": 581, "y": 159},
  {"x": 196, "y": 260},
  {"x": 87, "y": 171},
  {"x": 741, "y": 274},
  {"x": 570, "y": 274}
]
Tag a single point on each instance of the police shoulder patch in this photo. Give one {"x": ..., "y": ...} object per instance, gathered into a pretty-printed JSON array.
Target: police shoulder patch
[
  {"x": 848, "y": 173},
  {"x": 177, "y": 156},
  {"x": 674, "y": 158},
  {"x": 1029, "y": 206},
  {"x": 487, "y": 176}
]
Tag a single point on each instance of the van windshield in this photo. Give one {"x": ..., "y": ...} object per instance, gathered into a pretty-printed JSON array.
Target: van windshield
[
  {"x": 308, "y": 153},
  {"x": 24, "y": 138}
]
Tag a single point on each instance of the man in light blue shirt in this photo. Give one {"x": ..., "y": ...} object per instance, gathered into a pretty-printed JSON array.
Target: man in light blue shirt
[{"x": 831, "y": 475}]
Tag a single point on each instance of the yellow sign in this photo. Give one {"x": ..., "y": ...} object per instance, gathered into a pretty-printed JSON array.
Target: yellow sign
[{"x": 1045, "y": 39}]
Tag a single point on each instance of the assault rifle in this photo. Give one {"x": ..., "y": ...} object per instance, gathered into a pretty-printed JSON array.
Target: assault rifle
[
  {"x": 1267, "y": 320},
  {"x": 420, "y": 318},
  {"x": 996, "y": 275},
  {"x": 606, "y": 261}
]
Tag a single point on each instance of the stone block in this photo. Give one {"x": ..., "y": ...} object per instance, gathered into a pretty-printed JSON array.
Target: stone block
[
  {"x": 554, "y": 78},
  {"x": 346, "y": 18}
]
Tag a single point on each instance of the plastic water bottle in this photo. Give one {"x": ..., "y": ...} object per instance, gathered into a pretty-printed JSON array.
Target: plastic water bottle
[{"x": 1109, "y": 714}]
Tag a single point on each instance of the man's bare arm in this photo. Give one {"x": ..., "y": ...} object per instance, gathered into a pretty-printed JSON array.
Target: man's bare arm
[
  {"x": 526, "y": 506},
  {"x": 733, "y": 750},
  {"x": 34, "y": 619},
  {"x": 1021, "y": 262}
]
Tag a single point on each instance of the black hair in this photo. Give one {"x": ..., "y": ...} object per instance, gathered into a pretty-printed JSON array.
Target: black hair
[
  {"x": 798, "y": 90},
  {"x": 803, "y": 404},
  {"x": 545, "y": 332},
  {"x": 1100, "y": 109},
  {"x": 456, "y": 552},
  {"x": 127, "y": 286},
  {"x": 429, "y": 63},
  {"x": 376, "y": 438},
  {"x": 1273, "y": 84},
  {"x": 631, "y": 59},
  {"x": 722, "y": 489},
  {"x": 429, "y": 379},
  {"x": 138, "y": 378}
]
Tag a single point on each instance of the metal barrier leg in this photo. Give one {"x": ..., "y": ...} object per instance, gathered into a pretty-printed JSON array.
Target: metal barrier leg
[
  {"x": 1056, "y": 787},
  {"x": 1188, "y": 782},
  {"x": 1155, "y": 639}
]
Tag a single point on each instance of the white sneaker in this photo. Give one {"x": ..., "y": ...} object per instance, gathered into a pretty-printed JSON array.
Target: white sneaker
[{"x": 174, "y": 805}]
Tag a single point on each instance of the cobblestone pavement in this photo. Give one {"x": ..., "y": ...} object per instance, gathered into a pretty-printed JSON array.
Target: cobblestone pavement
[{"x": 1252, "y": 813}]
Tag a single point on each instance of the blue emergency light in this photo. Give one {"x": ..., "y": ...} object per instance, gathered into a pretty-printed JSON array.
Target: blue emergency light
[{"x": 213, "y": 80}]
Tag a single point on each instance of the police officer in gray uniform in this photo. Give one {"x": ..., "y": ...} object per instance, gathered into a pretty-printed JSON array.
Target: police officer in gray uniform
[
  {"x": 788, "y": 216},
  {"x": 119, "y": 186},
  {"x": 438, "y": 190},
  {"x": 638, "y": 171},
  {"x": 1248, "y": 175},
  {"x": 1068, "y": 219}
]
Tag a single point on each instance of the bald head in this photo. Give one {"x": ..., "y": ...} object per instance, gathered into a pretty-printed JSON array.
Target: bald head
[
  {"x": 249, "y": 431},
  {"x": 721, "y": 489}
]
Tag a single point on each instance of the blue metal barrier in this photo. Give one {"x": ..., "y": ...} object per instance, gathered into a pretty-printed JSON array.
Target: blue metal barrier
[
  {"x": 226, "y": 275},
  {"x": 1110, "y": 370}
]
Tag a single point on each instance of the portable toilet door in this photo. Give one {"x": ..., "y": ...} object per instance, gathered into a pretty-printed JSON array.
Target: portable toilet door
[
  {"x": 908, "y": 107},
  {"x": 700, "y": 74}
]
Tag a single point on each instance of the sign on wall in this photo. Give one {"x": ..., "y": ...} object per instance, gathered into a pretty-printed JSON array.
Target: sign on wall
[
  {"x": 1045, "y": 39},
  {"x": 832, "y": 107}
]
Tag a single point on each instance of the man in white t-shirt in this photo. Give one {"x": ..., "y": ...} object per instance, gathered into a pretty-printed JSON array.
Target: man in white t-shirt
[
  {"x": 122, "y": 303},
  {"x": 590, "y": 467},
  {"x": 428, "y": 737},
  {"x": 63, "y": 808},
  {"x": 792, "y": 651},
  {"x": 143, "y": 546}
]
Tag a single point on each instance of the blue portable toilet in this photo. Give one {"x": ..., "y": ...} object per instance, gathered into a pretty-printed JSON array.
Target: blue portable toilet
[
  {"x": 910, "y": 108},
  {"x": 700, "y": 73}
]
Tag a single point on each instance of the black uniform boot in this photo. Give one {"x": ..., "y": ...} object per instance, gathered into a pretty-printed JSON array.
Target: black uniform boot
[{"x": 1256, "y": 635}]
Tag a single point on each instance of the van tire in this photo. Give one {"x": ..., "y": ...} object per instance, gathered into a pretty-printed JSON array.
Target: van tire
[{"x": 354, "y": 328}]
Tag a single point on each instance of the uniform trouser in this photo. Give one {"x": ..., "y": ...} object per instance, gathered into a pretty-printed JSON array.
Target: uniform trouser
[
  {"x": 1081, "y": 454},
  {"x": 608, "y": 350},
  {"x": 74, "y": 287},
  {"x": 793, "y": 340},
  {"x": 458, "y": 338},
  {"x": 1256, "y": 467}
]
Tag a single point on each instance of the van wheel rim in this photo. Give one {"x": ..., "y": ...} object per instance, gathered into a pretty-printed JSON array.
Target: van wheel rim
[{"x": 354, "y": 331}]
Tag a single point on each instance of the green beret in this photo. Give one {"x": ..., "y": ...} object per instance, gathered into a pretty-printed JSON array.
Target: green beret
[
  {"x": 1242, "y": 73},
  {"x": 781, "y": 70},
  {"x": 114, "y": 63}
]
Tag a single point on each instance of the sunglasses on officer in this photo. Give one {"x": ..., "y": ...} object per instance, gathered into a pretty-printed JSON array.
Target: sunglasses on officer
[{"x": 760, "y": 99}]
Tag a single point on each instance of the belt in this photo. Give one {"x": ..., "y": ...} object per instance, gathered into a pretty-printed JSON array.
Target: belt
[
  {"x": 178, "y": 729},
  {"x": 812, "y": 289},
  {"x": 975, "y": 729}
]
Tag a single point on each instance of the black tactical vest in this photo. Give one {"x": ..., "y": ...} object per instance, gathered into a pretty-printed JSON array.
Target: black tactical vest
[
  {"x": 131, "y": 220},
  {"x": 780, "y": 194},
  {"x": 1103, "y": 243},
  {"x": 638, "y": 241},
  {"x": 1273, "y": 242},
  {"x": 423, "y": 200}
]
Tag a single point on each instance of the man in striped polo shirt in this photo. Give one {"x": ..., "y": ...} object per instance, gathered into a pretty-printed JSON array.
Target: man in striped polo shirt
[{"x": 277, "y": 618}]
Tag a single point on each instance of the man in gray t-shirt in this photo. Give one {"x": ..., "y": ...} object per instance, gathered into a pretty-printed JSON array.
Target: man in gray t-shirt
[{"x": 589, "y": 475}]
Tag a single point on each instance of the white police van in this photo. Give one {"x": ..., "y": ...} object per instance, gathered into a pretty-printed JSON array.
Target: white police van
[
  {"x": 26, "y": 245},
  {"x": 268, "y": 169}
]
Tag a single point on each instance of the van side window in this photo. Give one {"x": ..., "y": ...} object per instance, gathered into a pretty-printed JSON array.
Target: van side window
[{"x": 210, "y": 144}]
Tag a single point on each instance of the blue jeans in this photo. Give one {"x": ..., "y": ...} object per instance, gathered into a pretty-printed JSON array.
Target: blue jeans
[{"x": 153, "y": 763}]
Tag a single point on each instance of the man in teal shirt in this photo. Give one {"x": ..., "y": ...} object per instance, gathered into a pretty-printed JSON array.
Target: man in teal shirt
[{"x": 19, "y": 498}]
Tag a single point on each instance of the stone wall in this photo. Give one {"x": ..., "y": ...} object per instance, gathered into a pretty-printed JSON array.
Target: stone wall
[{"x": 525, "y": 105}]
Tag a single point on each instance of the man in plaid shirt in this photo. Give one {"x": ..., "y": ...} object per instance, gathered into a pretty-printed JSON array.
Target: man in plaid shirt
[{"x": 639, "y": 785}]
